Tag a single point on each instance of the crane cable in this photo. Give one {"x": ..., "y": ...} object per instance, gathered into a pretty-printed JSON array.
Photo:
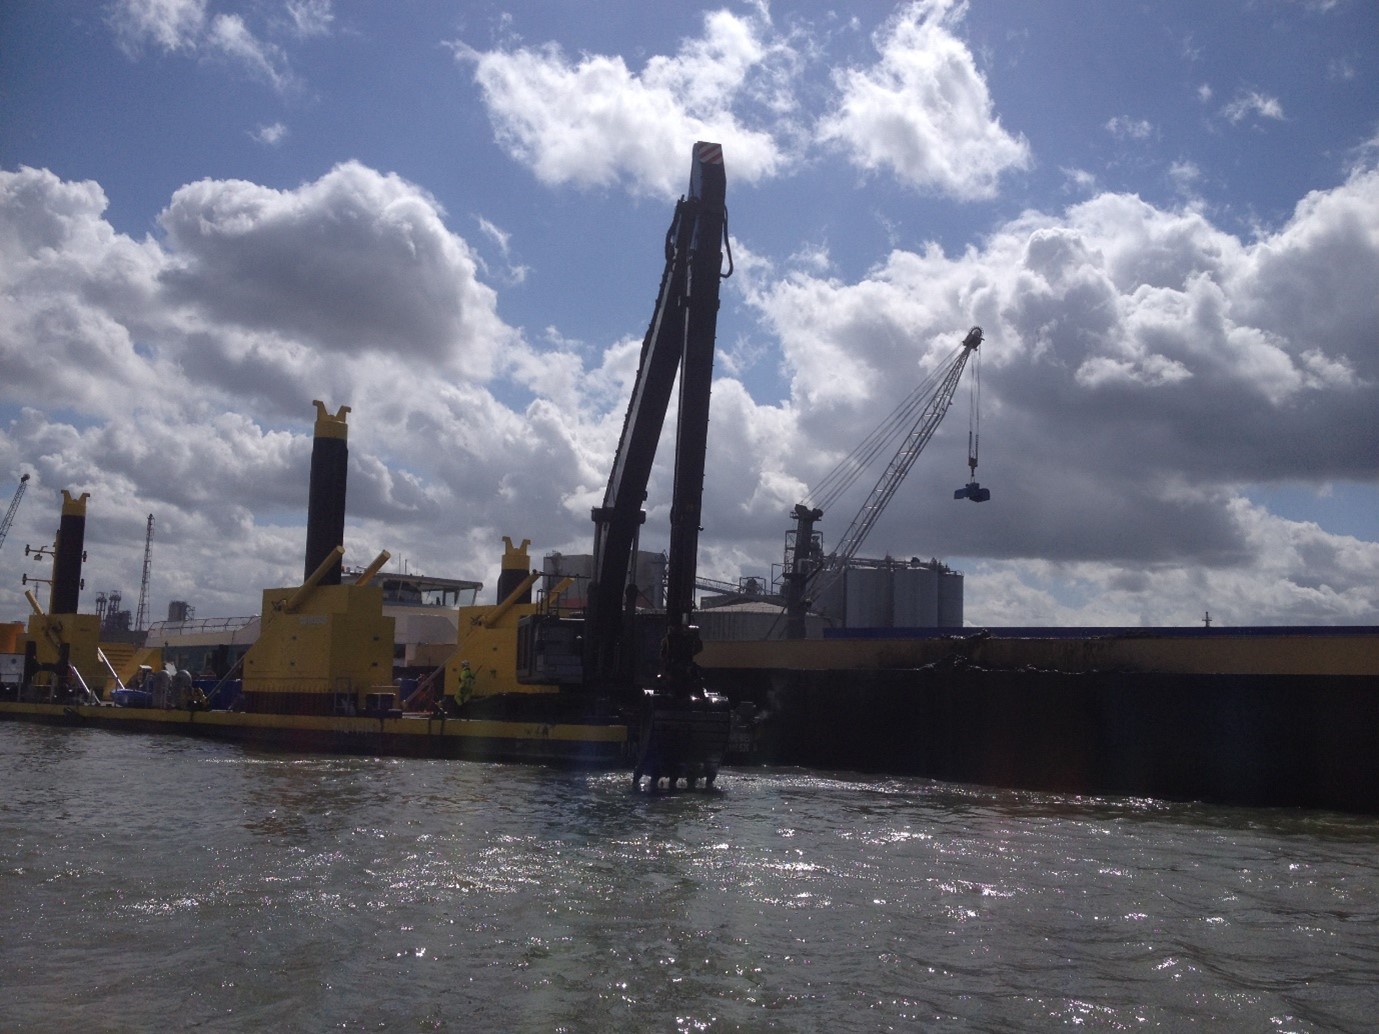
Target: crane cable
[
  {"x": 900, "y": 420},
  {"x": 974, "y": 415}
]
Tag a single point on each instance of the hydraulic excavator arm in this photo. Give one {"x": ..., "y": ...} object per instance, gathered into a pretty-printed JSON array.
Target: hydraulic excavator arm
[
  {"x": 682, "y": 730},
  {"x": 680, "y": 339}
]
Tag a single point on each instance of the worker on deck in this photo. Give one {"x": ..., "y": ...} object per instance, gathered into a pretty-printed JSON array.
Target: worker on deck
[{"x": 465, "y": 690}]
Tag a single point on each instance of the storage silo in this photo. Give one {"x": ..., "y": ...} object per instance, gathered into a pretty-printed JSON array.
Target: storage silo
[
  {"x": 868, "y": 597},
  {"x": 557, "y": 566},
  {"x": 915, "y": 595},
  {"x": 831, "y": 602},
  {"x": 950, "y": 599}
]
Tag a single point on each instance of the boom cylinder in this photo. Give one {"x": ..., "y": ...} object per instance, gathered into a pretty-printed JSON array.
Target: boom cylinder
[
  {"x": 71, "y": 542},
  {"x": 325, "y": 514}
]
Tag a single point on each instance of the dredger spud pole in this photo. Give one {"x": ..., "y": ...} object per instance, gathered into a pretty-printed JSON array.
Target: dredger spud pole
[
  {"x": 68, "y": 555},
  {"x": 325, "y": 514}
]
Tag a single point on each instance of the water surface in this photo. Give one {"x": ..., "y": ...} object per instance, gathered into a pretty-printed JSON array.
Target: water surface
[{"x": 152, "y": 882}]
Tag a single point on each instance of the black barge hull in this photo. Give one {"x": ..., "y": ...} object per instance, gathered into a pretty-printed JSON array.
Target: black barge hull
[{"x": 1258, "y": 740}]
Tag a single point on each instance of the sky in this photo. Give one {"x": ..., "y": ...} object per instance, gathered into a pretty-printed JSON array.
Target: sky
[{"x": 450, "y": 217}]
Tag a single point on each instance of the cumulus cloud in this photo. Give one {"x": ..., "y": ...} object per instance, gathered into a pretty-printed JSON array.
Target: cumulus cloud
[
  {"x": 354, "y": 262},
  {"x": 250, "y": 291},
  {"x": 593, "y": 122},
  {"x": 77, "y": 299},
  {"x": 135, "y": 358},
  {"x": 923, "y": 112},
  {"x": 1297, "y": 574},
  {"x": 1143, "y": 371}
]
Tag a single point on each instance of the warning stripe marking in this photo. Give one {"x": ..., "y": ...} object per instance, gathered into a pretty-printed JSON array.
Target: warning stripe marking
[{"x": 709, "y": 154}]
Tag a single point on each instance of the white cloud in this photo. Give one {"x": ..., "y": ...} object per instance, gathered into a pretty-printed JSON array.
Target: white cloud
[
  {"x": 168, "y": 24},
  {"x": 184, "y": 26},
  {"x": 923, "y": 112},
  {"x": 311, "y": 17},
  {"x": 512, "y": 273},
  {"x": 1079, "y": 180},
  {"x": 230, "y": 36},
  {"x": 354, "y": 263},
  {"x": 1185, "y": 175},
  {"x": 1253, "y": 103},
  {"x": 1142, "y": 371},
  {"x": 272, "y": 135},
  {"x": 1298, "y": 574},
  {"x": 594, "y": 122},
  {"x": 1123, "y": 127}
]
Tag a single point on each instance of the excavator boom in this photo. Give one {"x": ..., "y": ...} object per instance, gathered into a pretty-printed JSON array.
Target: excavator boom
[
  {"x": 683, "y": 729},
  {"x": 680, "y": 339}
]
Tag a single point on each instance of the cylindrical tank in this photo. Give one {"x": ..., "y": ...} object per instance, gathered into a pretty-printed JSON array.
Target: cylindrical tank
[
  {"x": 950, "y": 599},
  {"x": 325, "y": 513},
  {"x": 558, "y": 566},
  {"x": 868, "y": 597},
  {"x": 915, "y": 595},
  {"x": 831, "y": 602},
  {"x": 71, "y": 540}
]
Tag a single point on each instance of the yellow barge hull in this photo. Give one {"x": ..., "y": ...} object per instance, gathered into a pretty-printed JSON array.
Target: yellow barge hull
[{"x": 590, "y": 743}]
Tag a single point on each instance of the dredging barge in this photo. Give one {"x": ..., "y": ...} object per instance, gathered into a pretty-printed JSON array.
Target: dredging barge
[{"x": 319, "y": 675}]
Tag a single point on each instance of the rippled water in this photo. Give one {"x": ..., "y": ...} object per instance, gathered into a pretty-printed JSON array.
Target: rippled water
[{"x": 163, "y": 883}]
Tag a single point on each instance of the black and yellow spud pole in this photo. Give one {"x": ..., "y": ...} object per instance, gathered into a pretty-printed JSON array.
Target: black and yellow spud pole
[
  {"x": 325, "y": 514},
  {"x": 65, "y": 593}
]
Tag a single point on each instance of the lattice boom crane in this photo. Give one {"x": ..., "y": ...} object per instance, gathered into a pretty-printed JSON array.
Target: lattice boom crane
[
  {"x": 143, "y": 582},
  {"x": 14, "y": 508},
  {"x": 925, "y": 408}
]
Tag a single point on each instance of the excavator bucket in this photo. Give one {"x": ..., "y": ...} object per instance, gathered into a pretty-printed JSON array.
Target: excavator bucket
[{"x": 973, "y": 491}]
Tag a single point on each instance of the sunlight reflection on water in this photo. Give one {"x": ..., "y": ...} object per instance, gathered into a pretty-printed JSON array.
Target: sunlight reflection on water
[{"x": 161, "y": 881}]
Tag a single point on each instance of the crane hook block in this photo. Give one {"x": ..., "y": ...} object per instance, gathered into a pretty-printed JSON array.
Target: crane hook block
[{"x": 973, "y": 491}]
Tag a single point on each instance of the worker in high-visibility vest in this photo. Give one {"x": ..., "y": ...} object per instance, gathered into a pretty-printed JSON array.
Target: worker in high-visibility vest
[{"x": 465, "y": 690}]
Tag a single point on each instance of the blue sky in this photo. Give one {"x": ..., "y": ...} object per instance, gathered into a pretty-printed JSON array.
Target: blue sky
[{"x": 450, "y": 217}]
